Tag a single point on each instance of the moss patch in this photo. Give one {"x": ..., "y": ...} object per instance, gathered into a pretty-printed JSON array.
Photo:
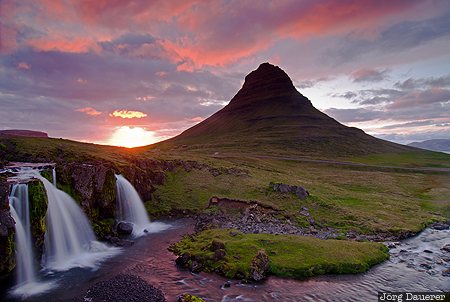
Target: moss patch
[
  {"x": 290, "y": 256},
  {"x": 38, "y": 209}
]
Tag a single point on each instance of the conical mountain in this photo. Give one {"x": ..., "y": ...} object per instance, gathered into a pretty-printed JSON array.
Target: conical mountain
[{"x": 268, "y": 115}]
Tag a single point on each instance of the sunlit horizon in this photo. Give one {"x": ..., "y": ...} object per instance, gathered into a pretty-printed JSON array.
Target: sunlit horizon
[{"x": 131, "y": 137}]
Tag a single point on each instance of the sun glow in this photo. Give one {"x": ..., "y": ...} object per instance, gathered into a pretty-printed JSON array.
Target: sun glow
[{"x": 130, "y": 137}]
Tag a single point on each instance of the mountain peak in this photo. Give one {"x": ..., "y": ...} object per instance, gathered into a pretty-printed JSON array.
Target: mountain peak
[
  {"x": 268, "y": 77},
  {"x": 266, "y": 81}
]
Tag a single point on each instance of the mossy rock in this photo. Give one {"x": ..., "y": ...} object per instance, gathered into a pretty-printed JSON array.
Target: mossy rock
[
  {"x": 103, "y": 228},
  {"x": 290, "y": 256},
  {"x": 189, "y": 298},
  {"x": 38, "y": 209}
]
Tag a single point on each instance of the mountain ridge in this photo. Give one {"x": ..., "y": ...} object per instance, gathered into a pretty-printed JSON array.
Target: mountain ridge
[{"x": 433, "y": 144}]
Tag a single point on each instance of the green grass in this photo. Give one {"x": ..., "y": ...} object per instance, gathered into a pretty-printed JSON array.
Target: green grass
[
  {"x": 408, "y": 159},
  {"x": 348, "y": 199},
  {"x": 290, "y": 256}
]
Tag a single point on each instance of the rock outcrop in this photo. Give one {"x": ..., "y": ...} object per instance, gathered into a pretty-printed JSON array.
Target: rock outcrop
[
  {"x": 299, "y": 191},
  {"x": 7, "y": 255},
  {"x": 259, "y": 266}
]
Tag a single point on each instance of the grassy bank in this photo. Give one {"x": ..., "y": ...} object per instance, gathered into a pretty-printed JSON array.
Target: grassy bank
[{"x": 290, "y": 256}]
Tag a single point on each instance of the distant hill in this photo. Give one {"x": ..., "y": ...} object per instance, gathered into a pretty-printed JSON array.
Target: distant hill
[
  {"x": 433, "y": 144},
  {"x": 268, "y": 115},
  {"x": 25, "y": 133}
]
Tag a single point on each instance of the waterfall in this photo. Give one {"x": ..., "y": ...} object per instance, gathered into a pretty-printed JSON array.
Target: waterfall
[
  {"x": 69, "y": 239},
  {"x": 131, "y": 209},
  {"x": 19, "y": 208},
  {"x": 27, "y": 283}
]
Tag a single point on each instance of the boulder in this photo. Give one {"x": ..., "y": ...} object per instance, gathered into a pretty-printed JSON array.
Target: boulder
[
  {"x": 259, "y": 266},
  {"x": 124, "y": 228},
  {"x": 299, "y": 191},
  {"x": 219, "y": 254},
  {"x": 217, "y": 245}
]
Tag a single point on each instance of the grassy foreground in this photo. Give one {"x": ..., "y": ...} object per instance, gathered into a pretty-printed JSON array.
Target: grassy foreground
[{"x": 290, "y": 256}]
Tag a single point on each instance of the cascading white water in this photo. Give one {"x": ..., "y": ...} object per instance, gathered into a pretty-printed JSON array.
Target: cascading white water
[
  {"x": 27, "y": 283},
  {"x": 131, "y": 209},
  {"x": 19, "y": 208},
  {"x": 69, "y": 239}
]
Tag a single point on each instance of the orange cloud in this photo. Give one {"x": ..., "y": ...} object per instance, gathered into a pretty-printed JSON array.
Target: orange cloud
[
  {"x": 128, "y": 114},
  {"x": 89, "y": 111}
]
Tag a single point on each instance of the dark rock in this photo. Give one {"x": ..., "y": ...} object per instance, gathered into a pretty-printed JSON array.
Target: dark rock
[
  {"x": 299, "y": 191},
  {"x": 121, "y": 242},
  {"x": 124, "y": 288},
  {"x": 428, "y": 251},
  {"x": 446, "y": 248},
  {"x": 426, "y": 266},
  {"x": 219, "y": 255},
  {"x": 233, "y": 233},
  {"x": 196, "y": 267},
  {"x": 7, "y": 223},
  {"x": 227, "y": 284},
  {"x": 217, "y": 245},
  {"x": 259, "y": 266},
  {"x": 214, "y": 172},
  {"x": 440, "y": 226},
  {"x": 183, "y": 260},
  {"x": 124, "y": 228}
]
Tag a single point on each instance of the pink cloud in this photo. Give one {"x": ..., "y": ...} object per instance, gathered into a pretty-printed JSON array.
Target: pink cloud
[
  {"x": 23, "y": 66},
  {"x": 64, "y": 44},
  {"x": 89, "y": 111}
]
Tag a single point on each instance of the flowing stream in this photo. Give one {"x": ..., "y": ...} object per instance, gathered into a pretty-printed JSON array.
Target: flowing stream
[{"x": 150, "y": 259}]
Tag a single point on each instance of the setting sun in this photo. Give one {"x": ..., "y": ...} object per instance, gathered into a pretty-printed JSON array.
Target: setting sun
[{"x": 132, "y": 137}]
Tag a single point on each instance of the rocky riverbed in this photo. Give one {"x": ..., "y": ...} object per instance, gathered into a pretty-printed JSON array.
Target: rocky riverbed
[{"x": 252, "y": 217}]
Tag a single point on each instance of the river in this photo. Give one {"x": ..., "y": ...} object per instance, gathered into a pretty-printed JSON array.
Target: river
[{"x": 416, "y": 264}]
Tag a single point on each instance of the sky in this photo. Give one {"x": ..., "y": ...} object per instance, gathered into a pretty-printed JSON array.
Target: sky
[{"x": 135, "y": 72}]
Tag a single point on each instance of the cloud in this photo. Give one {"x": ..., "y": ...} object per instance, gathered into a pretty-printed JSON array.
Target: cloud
[
  {"x": 368, "y": 75},
  {"x": 128, "y": 114},
  {"x": 23, "y": 66},
  {"x": 421, "y": 98},
  {"x": 435, "y": 82},
  {"x": 89, "y": 111}
]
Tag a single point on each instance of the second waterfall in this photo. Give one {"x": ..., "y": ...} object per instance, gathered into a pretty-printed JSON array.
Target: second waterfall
[{"x": 131, "y": 209}]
